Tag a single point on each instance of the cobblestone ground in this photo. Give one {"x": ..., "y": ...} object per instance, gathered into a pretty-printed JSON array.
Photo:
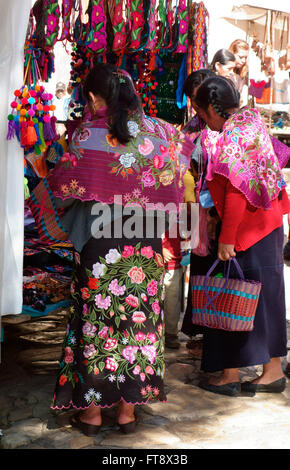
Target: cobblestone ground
[{"x": 191, "y": 419}]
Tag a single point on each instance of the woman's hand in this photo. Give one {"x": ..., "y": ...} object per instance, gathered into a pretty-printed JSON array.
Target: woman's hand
[{"x": 225, "y": 252}]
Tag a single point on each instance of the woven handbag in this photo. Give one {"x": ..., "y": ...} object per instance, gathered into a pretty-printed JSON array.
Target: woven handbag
[{"x": 224, "y": 303}]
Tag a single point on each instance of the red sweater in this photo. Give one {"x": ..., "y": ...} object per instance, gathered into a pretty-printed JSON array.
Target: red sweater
[{"x": 243, "y": 225}]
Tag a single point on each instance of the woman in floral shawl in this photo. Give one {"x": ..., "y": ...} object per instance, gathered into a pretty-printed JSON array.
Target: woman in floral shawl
[
  {"x": 113, "y": 350},
  {"x": 248, "y": 191}
]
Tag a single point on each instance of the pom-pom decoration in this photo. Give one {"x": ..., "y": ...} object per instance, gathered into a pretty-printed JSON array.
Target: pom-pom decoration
[{"x": 30, "y": 120}]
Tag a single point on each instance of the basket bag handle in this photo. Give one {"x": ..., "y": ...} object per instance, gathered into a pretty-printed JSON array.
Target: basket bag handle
[{"x": 214, "y": 297}]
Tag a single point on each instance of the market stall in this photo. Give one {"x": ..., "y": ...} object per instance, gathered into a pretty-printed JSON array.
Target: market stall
[{"x": 267, "y": 31}]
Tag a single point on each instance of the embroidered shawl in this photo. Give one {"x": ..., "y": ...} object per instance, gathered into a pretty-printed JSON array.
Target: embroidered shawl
[
  {"x": 148, "y": 170},
  {"x": 244, "y": 154}
]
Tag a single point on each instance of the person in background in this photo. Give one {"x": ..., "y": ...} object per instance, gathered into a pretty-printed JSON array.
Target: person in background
[
  {"x": 223, "y": 63},
  {"x": 241, "y": 49},
  {"x": 61, "y": 102},
  {"x": 251, "y": 230}
]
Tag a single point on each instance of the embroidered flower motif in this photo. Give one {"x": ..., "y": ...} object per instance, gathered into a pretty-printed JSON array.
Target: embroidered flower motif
[
  {"x": 137, "y": 275},
  {"x": 152, "y": 288},
  {"x": 93, "y": 283},
  {"x": 129, "y": 353},
  {"x": 147, "y": 251},
  {"x": 85, "y": 309},
  {"x": 147, "y": 178},
  {"x": 110, "y": 344},
  {"x": 89, "y": 329},
  {"x": 132, "y": 301},
  {"x": 138, "y": 317},
  {"x": 111, "y": 364},
  {"x": 158, "y": 161},
  {"x": 144, "y": 297},
  {"x": 98, "y": 270},
  {"x": 121, "y": 378},
  {"x": 128, "y": 250},
  {"x": 102, "y": 303},
  {"x": 89, "y": 351},
  {"x": 156, "y": 307},
  {"x": 84, "y": 135},
  {"x": 152, "y": 337},
  {"x": 85, "y": 293},
  {"x": 140, "y": 336},
  {"x": 150, "y": 352},
  {"x": 115, "y": 288},
  {"x": 104, "y": 332},
  {"x": 112, "y": 378},
  {"x": 136, "y": 370},
  {"x": 133, "y": 128},
  {"x": 113, "y": 256},
  {"x": 69, "y": 355},
  {"x": 127, "y": 159},
  {"x": 166, "y": 177}
]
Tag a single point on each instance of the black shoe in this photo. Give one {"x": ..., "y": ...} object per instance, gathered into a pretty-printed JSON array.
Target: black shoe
[
  {"x": 274, "y": 387},
  {"x": 231, "y": 389},
  {"x": 171, "y": 341},
  {"x": 286, "y": 251}
]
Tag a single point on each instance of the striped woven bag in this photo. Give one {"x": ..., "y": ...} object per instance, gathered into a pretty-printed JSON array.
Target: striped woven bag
[{"x": 224, "y": 303}]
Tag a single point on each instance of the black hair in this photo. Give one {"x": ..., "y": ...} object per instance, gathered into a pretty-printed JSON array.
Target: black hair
[
  {"x": 223, "y": 56},
  {"x": 117, "y": 89},
  {"x": 195, "y": 79},
  {"x": 220, "y": 92}
]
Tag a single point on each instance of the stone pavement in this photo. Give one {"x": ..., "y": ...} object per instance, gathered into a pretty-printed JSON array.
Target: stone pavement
[{"x": 191, "y": 419}]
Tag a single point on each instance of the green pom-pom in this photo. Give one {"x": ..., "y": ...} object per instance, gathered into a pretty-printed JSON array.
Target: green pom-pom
[{"x": 10, "y": 117}]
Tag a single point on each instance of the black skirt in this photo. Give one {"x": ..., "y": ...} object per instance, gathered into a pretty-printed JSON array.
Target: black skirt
[
  {"x": 114, "y": 346},
  {"x": 221, "y": 349}
]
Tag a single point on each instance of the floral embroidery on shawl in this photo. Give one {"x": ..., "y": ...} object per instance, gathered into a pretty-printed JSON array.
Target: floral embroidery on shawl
[
  {"x": 153, "y": 162},
  {"x": 244, "y": 154}
]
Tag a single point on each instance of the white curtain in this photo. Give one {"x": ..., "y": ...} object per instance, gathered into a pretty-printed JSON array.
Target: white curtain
[{"x": 13, "y": 24}]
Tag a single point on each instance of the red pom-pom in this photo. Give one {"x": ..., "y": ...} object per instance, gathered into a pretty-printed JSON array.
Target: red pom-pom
[
  {"x": 17, "y": 93},
  {"x": 13, "y": 104},
  {"x": 46, "y": 108}
]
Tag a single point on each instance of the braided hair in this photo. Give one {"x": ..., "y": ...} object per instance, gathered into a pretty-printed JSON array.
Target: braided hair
[
  {"x": 117, "y": 89},
  {"x": 220, "y": 92}
]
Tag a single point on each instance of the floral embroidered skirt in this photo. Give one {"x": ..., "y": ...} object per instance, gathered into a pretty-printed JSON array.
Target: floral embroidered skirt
[{"x": 114, "y": 345}]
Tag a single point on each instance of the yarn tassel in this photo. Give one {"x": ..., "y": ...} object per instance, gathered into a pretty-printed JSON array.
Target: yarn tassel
[
  {"x": 43, "y": 145},
  {"x": 48, "y": 134},
  {"x": 38, "y": 142},
  {"x": 53, "y": 120},
  {"x": 31, "y": 136},
  {"x": 11, "y": 130},
  {"x": 17, "y": 127},
  {"x": 26, "y": 189},
  {"x": 23, "y": 134}
]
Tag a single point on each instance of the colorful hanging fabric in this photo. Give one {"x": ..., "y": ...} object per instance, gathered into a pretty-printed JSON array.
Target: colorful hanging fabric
[
  {"x": 152, "y": 22},
  {"x": 136, "y": 23},
  {"x": 200, "y": 37},
  {"x": 97, "y": 36},
  {"x": 162, "y": 23},
  {"x": 67, "y": 7},
  {"x": 119, "y": 30},
  {"x": 182, "y": 13},
  {"x": 52, "y": 14},
  {"x": 170, "y": 23}
]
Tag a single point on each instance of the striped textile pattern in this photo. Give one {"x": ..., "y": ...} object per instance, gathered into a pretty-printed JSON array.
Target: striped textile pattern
[{"x": 233, "y": 309}]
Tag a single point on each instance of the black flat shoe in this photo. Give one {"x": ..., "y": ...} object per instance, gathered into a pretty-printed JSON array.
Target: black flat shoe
[
  {"x": 274, "y": 387},
  {"x": 87, "y": 429},
  {"x": 129, "y": 428},
  {"x": 231, "y": 389}
]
